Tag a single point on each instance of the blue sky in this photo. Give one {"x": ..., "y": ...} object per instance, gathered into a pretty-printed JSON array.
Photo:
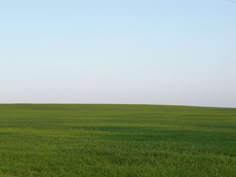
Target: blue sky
[{"x": 126, "y": 51}]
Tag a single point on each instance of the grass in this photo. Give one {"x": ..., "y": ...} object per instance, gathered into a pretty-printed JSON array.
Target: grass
[{"x": 117, "y": 141}]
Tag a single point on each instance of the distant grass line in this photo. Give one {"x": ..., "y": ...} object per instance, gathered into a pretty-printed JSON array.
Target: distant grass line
[
  {"x": 124, "y": 104},
  {"x": 114, "y": 140}
]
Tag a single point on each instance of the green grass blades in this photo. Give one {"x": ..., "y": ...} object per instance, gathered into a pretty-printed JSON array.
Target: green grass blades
[{"x": 117, "y": 141}]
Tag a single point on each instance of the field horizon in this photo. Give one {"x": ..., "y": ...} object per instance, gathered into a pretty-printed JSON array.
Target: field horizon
[
  {"x": 111, "y": 140},
  {"x": 127, "y": 104}
]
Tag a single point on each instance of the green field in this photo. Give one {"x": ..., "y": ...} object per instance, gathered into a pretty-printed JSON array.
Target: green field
[{"x": 117, "y": 141}]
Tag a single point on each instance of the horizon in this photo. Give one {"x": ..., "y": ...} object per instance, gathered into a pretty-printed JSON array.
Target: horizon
[{"x": 128, "y": 104}]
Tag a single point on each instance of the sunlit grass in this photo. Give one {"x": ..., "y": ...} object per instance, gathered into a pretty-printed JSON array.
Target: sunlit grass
[{"x": 116, "y": 140}]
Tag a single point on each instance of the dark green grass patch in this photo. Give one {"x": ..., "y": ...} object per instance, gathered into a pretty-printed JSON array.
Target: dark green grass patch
[{"x": 117, "y": 141}]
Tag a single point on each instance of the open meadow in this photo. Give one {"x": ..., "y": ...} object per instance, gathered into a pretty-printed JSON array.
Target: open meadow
[{"x": 117, "y": 141}]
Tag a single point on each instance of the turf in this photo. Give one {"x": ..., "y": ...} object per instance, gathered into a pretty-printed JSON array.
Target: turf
[{"x": 117, "y": 141}]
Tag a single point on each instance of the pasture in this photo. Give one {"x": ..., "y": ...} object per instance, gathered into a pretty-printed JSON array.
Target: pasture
[{"x": 117, "y": 141}]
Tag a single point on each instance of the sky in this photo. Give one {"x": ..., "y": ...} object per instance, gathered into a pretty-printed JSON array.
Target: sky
[{"x": 123, "y": 51}]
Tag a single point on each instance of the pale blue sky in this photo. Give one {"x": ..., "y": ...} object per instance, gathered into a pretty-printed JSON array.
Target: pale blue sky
[{"x": 124, "y": 51}]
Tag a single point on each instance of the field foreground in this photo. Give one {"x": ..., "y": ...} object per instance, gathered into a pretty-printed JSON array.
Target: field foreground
[{"x": 117, "y": 141}]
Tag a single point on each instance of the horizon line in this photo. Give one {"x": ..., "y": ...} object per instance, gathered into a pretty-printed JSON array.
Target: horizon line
[{"x": 137, "y": 104}]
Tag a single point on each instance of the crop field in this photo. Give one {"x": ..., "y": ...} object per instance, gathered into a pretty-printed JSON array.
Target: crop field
[{"x": 117, "y": 141}]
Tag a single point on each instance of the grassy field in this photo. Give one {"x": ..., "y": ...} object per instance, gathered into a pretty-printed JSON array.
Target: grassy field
[{"x": 117, "y": 141}]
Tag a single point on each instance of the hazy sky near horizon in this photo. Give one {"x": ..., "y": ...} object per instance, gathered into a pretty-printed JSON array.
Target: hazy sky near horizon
[{"x": 124, "y": 51}]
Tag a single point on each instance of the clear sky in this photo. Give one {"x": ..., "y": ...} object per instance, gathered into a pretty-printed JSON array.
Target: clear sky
[{"x": 119, "y": 51}]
